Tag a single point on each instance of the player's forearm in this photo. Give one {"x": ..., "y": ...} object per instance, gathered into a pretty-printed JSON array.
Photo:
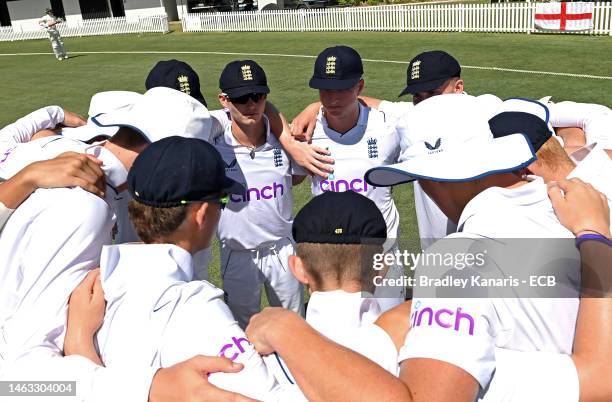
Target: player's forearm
[
  {"x": 326, "y": 371},
  {"x": 81, "y": 345},
  {"x": 23, "y": 129},
  {"x": 592, "y": 346},
  {"x": 16, "y": 189}
]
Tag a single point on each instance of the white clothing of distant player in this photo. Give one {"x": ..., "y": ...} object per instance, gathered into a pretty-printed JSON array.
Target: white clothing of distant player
[
  {"x": 255, "y": 227},
  {"x": 157, "y": 315},
  {"x": 57, "y": 44},
  {"x": 467, "y": 331}
]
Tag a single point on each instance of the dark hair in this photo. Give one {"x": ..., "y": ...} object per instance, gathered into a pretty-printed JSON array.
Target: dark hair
[
  {"x": 154, "y": 225},
  {"x": 128, "y": 138}
]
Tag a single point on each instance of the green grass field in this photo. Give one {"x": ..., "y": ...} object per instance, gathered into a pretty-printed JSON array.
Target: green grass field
[{"x": 31, "y": 81}]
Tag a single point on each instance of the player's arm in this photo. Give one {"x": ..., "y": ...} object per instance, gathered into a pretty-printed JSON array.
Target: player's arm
[
  {"x": 584, "y": 210},
  {"x": 85, "y": 314},
  {"x": 67, "y": 170},
  {"x": 324, "y": 370},
  {"x": 311, "y": 158},
  {"x": 26, "y": 128}
]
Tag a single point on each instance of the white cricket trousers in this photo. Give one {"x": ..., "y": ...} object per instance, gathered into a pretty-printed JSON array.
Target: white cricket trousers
[
  {"x": 244, "y": 271},
  {"x": 57, "y": 43}
]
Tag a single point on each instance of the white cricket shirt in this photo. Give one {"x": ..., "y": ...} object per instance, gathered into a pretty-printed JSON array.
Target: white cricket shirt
[
  {"x": 465, "y": 332},
  {"x": 263, "y": 214},
  {"x": 156, "y": 315},
  {"x": 372, "y": 142}
]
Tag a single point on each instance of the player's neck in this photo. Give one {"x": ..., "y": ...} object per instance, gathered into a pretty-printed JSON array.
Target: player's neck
[
  {"x": 252, "y": 135},
  {"x": 345, "y": 121}
]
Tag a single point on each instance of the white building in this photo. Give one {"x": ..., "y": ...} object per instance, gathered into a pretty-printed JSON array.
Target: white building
[{"x": 25, "y": 14}]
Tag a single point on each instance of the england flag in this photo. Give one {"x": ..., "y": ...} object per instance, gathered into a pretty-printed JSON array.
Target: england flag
[{"x": 564, "y": 16}]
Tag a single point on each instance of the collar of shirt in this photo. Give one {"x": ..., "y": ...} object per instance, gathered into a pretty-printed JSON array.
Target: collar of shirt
[
  {"x": 229, "y": 138},
  {"x": 145, "y": 270},
  {"x": 337, "y": 309},
  {"x": 354, "y": 135},
  {"x": 499, "y": 198}
]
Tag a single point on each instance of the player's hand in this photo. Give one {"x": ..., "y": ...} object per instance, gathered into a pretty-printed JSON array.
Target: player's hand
[
  {"x": 86, "y": 306},
  {"x": 72, "y": 119},
  {"x": 270, "y": 323},
  {"x": 68, "y": 170},
  {"x": 580, "y": 207},
  {"x": 187, "y": 381},
  {"x": 314, "y": 159},
  {"x": 303, "y": 124},
  {"x": 85, "y": 315}
]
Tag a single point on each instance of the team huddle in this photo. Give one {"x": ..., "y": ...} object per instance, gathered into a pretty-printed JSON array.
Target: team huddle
[{"x": 106, "y": 226}]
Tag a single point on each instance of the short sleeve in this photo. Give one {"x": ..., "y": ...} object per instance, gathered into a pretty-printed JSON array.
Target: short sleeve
[
  {"x": 5, "y": 213},
  {"x": 456, "y": 331}
]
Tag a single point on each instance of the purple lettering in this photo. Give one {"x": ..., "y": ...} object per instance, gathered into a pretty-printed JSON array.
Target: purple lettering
[
  {"x": 321, "y": 185},
  {"x": 461, "y": 315},
  {"x": 235, "y": 198},
  {"x": 430, "y": 311},
  {"x": 263, "y": 193},
  {"x": 439, "y": 321},
  {"x": 363, "y": 188},
  {"x": 437, "y": 316},
  {"x": 253, "y": 190},
  {"x": 238, "y": 343},
  {"x": 337, "y": 186},
  {"x": 278, "y": 186},
  {"x": 226, "y": 347}
]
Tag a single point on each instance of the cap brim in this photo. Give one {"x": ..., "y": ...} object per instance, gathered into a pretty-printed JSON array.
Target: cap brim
[
  {"x": 464, "y": 163},
  {"x": 119, "y": 119},
  {"x": 88, "y": 132},
  {"x": 255, "y": 89},
  {"x": 423, "y": 86},
  {"x": 231, "y": 186},
  {"x": 333, "y": 84}
]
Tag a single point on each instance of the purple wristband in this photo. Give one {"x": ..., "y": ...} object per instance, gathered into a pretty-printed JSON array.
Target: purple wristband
[{"x": 592, "y": 236}]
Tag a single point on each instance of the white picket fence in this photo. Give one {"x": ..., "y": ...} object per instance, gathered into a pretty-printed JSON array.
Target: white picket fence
[
  {"x": 93, "y": 27},
  {"x": 502, "y": 17}
]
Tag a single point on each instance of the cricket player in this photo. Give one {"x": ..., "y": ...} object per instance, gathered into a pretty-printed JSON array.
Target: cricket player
[
  {"x": 55, "y": 237},
  {"x": 49, "y": 22},
  {"x": 255, "y": 227},
  {"x": 156, "y": 314},
  {"x": 358, "y": 138}
]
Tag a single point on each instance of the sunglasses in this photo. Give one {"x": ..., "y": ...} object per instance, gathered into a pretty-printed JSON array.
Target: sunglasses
[{"x": 244, "y": 99}]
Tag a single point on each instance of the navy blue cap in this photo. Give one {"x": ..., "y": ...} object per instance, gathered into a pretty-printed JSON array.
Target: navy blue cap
[
  {"x": 176, "y": 171},
  {"x": 177, "y": 75},
  {"x": 428, "y": 70},
  {"x": 338, "y": 67},
  {"x": 535, "y": 129},
  {"x": 243, "y": 77},
  {"x": 340, "y": 218}
]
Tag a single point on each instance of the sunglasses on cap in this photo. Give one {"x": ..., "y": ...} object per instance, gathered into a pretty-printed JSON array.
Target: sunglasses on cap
[{"x": 244, "y": 99}]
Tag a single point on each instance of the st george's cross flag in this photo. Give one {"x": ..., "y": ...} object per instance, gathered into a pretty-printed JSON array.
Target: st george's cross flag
[{"x": 564, "y": 16}]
